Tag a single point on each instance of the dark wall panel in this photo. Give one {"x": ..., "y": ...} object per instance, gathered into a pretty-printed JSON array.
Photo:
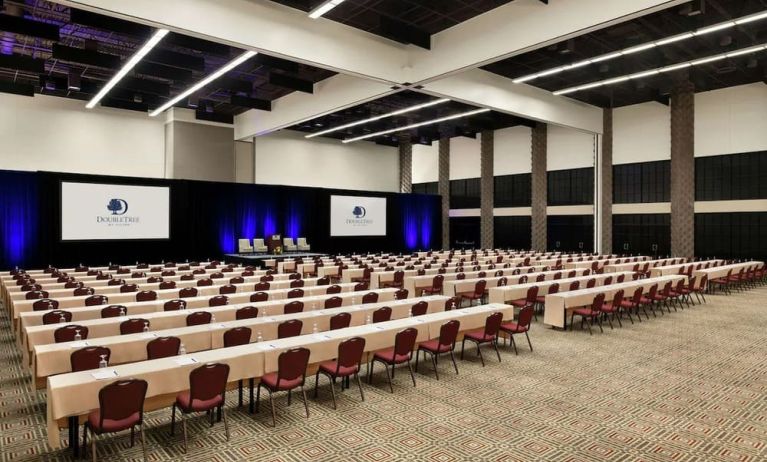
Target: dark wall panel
[
  {"x": 642, "y": 182},
  {"x": 464, "y": 233},
  {"x": 645, "y": 234},
  {"x": 512, "y": 232},
  {"x": 513, "y": 190},
  {"x": 731, "y": 235},
  {"x": 571, "y": 187},
  {"x": 570, "y": 233},
  {"x": 731, "y": 177},
  {"x": 465, "y": 194},
  {"x": 426, "y": 188}
]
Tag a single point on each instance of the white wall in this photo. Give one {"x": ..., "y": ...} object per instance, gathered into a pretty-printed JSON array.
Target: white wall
[
  {"x": 58, "y": 134},
  {"x": 731, "y": 120},
  {"x": 569, "y": 148},
  {"x": 426, "y": 163},
  {"x": 287, "y": 158},
  {"x": 512, "y": 151},
  {"x": 641, "y": 133},
  {"x": 464, "y": 157},
  {"x": 243, "y": 161}
]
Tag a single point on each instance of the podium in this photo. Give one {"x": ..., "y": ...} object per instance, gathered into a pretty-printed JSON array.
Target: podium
[{"x": 274, "y": 243}]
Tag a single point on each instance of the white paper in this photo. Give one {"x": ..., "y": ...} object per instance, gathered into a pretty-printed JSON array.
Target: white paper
[
  {"x": 185, "y": 361},
  {"x": 79, "y": 344},
  {"x": 105, "y": 374},
  {"x": 149, "y": 335}
]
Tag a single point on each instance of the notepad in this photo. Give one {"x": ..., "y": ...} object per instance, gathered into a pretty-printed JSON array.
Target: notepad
[
  {"x": 148, "y": 335},
  {"x": 79, "y": 344},
  {"x": 322, "y": 337},
  {"x": 185, "y": 361},
  {"x": 463, "y": 311},
  {"x": 105, "y": 374}
]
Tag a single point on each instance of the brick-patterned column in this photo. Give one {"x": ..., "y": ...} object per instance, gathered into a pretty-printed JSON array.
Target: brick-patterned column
[
  {"x": 487, "y": 189},
  {"x": 606, "y": 188},
  {"x": 539, "y": 184},
  {"x": 444, "y": 189},
  {"x": 405, "y": 164},
  {"x": 683, "y": 170}
]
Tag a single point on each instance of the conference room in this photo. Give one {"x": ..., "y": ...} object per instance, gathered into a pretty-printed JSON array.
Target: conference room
[{"x": 325, "y": 230}]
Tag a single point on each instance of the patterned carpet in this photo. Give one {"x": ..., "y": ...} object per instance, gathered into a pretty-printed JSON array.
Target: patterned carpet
[{"x": 687, "y": 386}]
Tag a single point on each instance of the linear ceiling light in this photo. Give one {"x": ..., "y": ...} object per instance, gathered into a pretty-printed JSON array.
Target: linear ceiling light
[
  {"x": 645, "y": 46},
  {"x": 419, "y": 124},
  {"x": 669, "y": 68},
  {"x": 379, "y": 117},
  {"x": 228, "y": 67},
  {"x": 138, "y": 56},
  {"x": 324, "y": 8}
]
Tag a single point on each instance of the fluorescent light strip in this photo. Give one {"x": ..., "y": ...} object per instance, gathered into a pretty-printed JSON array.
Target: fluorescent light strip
[
  {"x": 138, "y": 56},
  {"x": 646, "y": 46},
  {"x": 379, "y": 117},
  {"x": 419, "y": 124},
  {"x": 670, "y": 68},
  {"x": 228, "y": 67},
  {"x": 324, "y": 8}
]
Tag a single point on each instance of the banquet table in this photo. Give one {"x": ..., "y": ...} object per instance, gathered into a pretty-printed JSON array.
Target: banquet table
[
  {"x": 519, "y": 291},
  {"x": 721, "y": 271},
  {"x": 455, "y": 287},
  {"x": 618, "y": 267},
  {"x": 674, "y": 269},
  {"x": 602, "y": 263}
]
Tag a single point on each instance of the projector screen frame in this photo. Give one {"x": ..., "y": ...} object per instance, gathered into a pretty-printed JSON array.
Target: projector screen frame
[{"x": 116, "y": 182}]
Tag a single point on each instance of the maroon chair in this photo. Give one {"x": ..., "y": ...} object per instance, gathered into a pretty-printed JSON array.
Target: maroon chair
[
  {"x": 36, "y": 295},
  {"x": 575, "y": 285},
  {"x": 31, "y": 287},
  {"x": 96, "y": 300},
  {"x": 188, "y": 292},
  {"x": 620, "y": 278},
  {"x": 207, "y": 393},
  {"x": 267, "y": 278},
  {"x": 116, "y": 282},
  {"x": 218, "y": 300},
  {"x": 259, "y": 297},
  {"x": 649, "y": 300},
  {"x": 348, "y": 363},
  {"x": 216, "y": 276},
  {"x": 134, "y": 326},
  {"x": 289, "y": 328},
  {"x": 154, "y": 280},
  {"x": 295, "y": 293},
  {"x": 45, "y": 304},
  {"x": 227, "y": 289},
  {"x": 126, "y": 288},
  {"x": 146, "y": 296},
  {"x": 591, "y": 313},
  {"x": 205, "y": 282},
  {"x": 187, "y": 277},
  {"x": 419, "y": 309},
  {"x": 382, "y": 314},
  {"x": 700, "y": 289},
  {"x": 167, "y": 285},
  {"x": 365, "y": 276},
  {"x": 477, "y": 294},
  {"x": 114, "y": 311},
  {"x": 370, "y": 297},
  {"x": 445, "y": 343},
  {"x": 163, "y": 347},
  {"x": 334, "y": 302},
  {"x": 246, "y": 312},
  {"x": 633, "y": 304},
  {"x": 334, "y": 289},
  {"x": 401, "y": 294},
  {"x": 521, "y": 326},
  {"x": 291, "y": 374},
  {"x": 487, "y": 335},
  {"x": 613, "y": 308},
  {"x": 294, "y": 307},
  {"x": 198, "y": 318},
  {"x": 340, "y": 321},
  {"x": 56, "y": 317},
  {"x": 82, "y": 291},
  {"x": 530, "y": 299},
  {"x": 323, "y": 281},
  {"x": 397, "y": 281},
  {"x": 121, "y": 407},
  {"x": 404, "y": 343},
  {"x": 591, "y": 283},
  {"x": 174, "y": 305},
  {"x": 261, "y": 286},
  {"x": 88, "y": 358},
  {"x": 236, "y": 337},
  {"x": 361, "y": 286},
  {"x": 662, "y": 297},
  {"x": 677, "y": 295},
  {"x": 296, "y": 283},
  {"x": 69, "y": 333},
  {"x": 237, "y": 280}
]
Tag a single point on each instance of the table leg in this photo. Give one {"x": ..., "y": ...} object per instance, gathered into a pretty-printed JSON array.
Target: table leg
[{"x": 74, "y": 441}]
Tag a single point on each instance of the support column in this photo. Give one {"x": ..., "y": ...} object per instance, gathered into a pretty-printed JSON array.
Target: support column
[
  {"x": 606, "y": 187},
  {"x": 487, "y": 189},
  {"x": 444, "y": 189},
  {"x": 539, "y": 185},
  {"x": 405, "y": 164},
  {"x": 683, "y": 170}
]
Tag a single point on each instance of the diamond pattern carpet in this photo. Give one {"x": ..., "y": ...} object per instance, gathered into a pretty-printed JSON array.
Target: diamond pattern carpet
[{"x": 687, "y": 386}]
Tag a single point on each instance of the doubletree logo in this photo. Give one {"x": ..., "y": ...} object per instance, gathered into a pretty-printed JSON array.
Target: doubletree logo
[
  {"x": 359, "y": 212},
  {"x": 118, "y": 206}
]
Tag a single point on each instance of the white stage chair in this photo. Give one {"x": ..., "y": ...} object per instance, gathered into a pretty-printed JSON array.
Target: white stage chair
[
  {"x": 288, "y": 244},
  {"x": 302, "y": 245},
  {"x": 259, "y": 246},
  {"x": 244, "y": 246}
]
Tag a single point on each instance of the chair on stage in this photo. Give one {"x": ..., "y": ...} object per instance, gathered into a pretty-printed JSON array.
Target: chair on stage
[
  {"x": 259, "y": 246},
  {"x": 243, "y": 246},
  {"x": 289, "y": 245},
  {"x": 302, "y": 245}
]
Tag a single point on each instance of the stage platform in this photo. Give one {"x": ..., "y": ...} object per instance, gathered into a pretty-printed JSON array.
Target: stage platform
[{"x": 259, "y": 259}]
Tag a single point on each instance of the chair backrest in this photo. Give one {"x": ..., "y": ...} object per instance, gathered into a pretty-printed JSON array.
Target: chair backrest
[
  {"x": 296, "y": 283},
  {"x": 208, "y": 381},
  {"x": 36, "y": 294},
  {"x": 522, "y": 280},
  {"x": 401, "y": 294},
  {"x": 525, "y": 316},
  {"x": 116, "y": 282},
  {"x": 206, "y": 282},
  {"x": 95, "y": 300},
  {"x": 479, "y": 288},
  {"x": 31, "y": 287},
  {"x": 493, "y": 323},
  {"x": 165, "y": 285},
  {"x": 361, "y": 286},
  {"x": 218, "y": 300},
  {"x": 237, "y": 336},
  {"x": 532, "y": 295},
  {"x": 68, "y": 333},
  {"x": 618, "y": 298},
  {"x": 340, "y": 321},
  {"x": 333, "y": 302},
  {"x": 667, "y": 288},
  {"x": 419, "y": 309},
  {"x": 227, "y": 289},
  {"x": 45, "y": 304},
  {"x": 267, "y": 278},
  {"x": 295, "y": 306},
  {"x": 217, "y": 275},
  {"x": 198, "y": 318},
  {"x": 291, "y": 365},
  {"x": 680, "y": 286},
  {"x": 187, "y": 277},
  {"x": 146, "y": 296},
  {"x": 371, "y": 297},
  {"x": 295, "y": 293},
  {"x": 259, "y": 297},
  {"x": 133, "y": 326},
  {"x": 174, "y": 305},
  {"x": 554, "y": 288},
  {"x": 703, "y": 282},
  {"x": 404, "y": 341},
  {"x": 88, "y": 358},
  {"x": 597, "y": 303},
  {"x": 54, "y": 317},
  {"x": 540, "y": 278},
  {"x": 653, "y": 291},
  {"x": 399, "y": 276},
  {"x": 334, "y": 289},
  {"x": 163, "y": 347},
  {"x": 607, "y": 281},
  {"x": 290, "y": 328},
  {"x": 591, "y": 283},
  {"x": 382, "y": 314},
  {"x": 113, "y": 311},
  {"x": 246, "y": 312},
  {"x": 80, "y": 291},
  {"x": 323, "y": 281},
  {"x": 120, "y": 400},
  {"x": 448, "y": 332},
  {"x": 350, "y": 352}
]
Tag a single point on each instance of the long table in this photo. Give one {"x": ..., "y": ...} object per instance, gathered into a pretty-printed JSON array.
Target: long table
[
  {"x": 674, "y": 269},
  {"x": 721, "y": 271},
  {"x": 617, "y": 267},
  {"x": 519, "y": 291}
]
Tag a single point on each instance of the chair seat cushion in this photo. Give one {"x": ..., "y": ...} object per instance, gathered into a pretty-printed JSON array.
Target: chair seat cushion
[
  {"x": 608, "y": 308},
  {"x": 644, "y": 300},
  {"x": 514, "y": 328},
  {"x": 434, "y": 346},
  {"x": 388, "y": 356},
  {"x": 197, "y": 405},
  {"x": 472, "y": 296},
  {"x": 479, "y": 336},
  {"x": 270, "y": 380},
  {"x": 541, "y": 299},
  {"x": 585, "y": 312},
  {"x": 330, "y": 368},
  {"x": 94, "y": 421},
  {"x": 521, "y": 303},
  {"x": 627, "y": 304},
  {"x": 659, "y": 298}
]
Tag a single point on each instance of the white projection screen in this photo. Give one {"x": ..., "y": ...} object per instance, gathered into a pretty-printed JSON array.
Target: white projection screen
[
  {"x": 95, "y": 211},
  {"x": 357, "y": 216}
]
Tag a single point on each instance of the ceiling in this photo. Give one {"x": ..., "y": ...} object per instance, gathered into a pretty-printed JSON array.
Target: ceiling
[
  {"x": 726, "y": 73},
  {"x": 465, "y": 126},
  {"x": 42, "y": 43},
  {"x": 405, "y": 21}
]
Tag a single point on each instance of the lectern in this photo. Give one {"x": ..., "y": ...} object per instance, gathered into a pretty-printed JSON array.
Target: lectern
[{"x": 274, "y": 243}]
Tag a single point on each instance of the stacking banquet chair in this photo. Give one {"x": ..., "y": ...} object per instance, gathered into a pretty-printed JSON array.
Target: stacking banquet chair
[
  {"x": 333, "y": 302},
  {"x": 522, "y": 326},
  {"x": 36, "y": 294},
  {"x": 364, "y": 278},
  {"x": 188, "y": 292},
  {"x": 531, "y": 298},
  {"x": 69, "y": 333},
  {"x": 134, "y": 326},
  {"x": 246, "y": 312},
  {"x": 540, "y": 300},
  {"x": 452, "y": 303},
  {"x": 649, "y": 300},
  {"x": 146, "y": 296},
  {"x": 163, "y": 347},
  {"x": 677, "y": 294},
  {"x": 218, "y": 300},
  {"x": 613, "y": 307},
  {"x": 259, "y": 297},
  {"x": 489, "y": 334},
  {"x": 401, "y": 294},
  {"x": 174, "y": 305},
  {"x": 721, "y": 282},
  {"x": 397, "y": 281},
  {"x": 56, "y": 316},
  {"x": 382, "y": 314},
  {"x": 591, "y": 313},
  {"x": 289, "y": 328},
  {"x": 477, "y": 294},
  {"x": 402, "y": 353},
  {"x": 198, "y": 318},
  {"x": 88, "y": 358},
  {"x": 121, "y": 407},
  {"x": 291, "y": 374},
  {"x": 207, "y": 392},
  {"x": 45, "y": 304},
  {"x": 347, "y": 363},
  {"x": 95, "y": 300},
  {"x": 334, "y": 289},
  {"x": 633, "y": 304},
  {"x": 445, "y": 343},
  {"x": 340, "y": 321},
  {"x": 663, "y": 296},
  {"x": 293, "y": 307},
  {"x": 361, "y": 286},
  {"x": 419, "y": 309},
  {"x": 295, "y": 293}
]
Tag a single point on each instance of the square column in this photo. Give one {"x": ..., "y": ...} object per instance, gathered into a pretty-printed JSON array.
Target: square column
[
  {"x": 487, "y": 189},
  {"x": 444, "y": 189},
  {"x": 539, "y": 187},
  {"x": 683, "y": 170}
]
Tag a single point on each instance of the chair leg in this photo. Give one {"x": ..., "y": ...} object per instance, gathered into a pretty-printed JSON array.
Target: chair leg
[
  {"x": 452, "y": 358},
  {"x": 587, "y": 325},
  {"x": 183, "y": 427},
  {"x": 391, "y": 387},
  {"x": 251, "y": 383},
  {"x": 463, "y": 346},
  {"x": 271, "y": 404},
  {"x": 528, "y": 341},
  {"x": 85, "y": 440},
  {"x": 141, "y": 435},
  {"x": 495, "y": 345},
  {"x": 417, "y": 355},
  {"x": 226, "y": 424},
  {"x": 306, "y": 402},
  {"x": 132, "y": 436},
  {"x": 434, "y": 361},
  {"x": 410, "y": 368},
  {"x": 359, "y": 384},
  {"x": 316, "y": 383},
  {"x": 514, "y": 344},
  {"x": 93, "y": 447},
  {"x": 173, "y": 419},
  {"x": 370, "y": 372},
  {"x": 332, "y": 391},
  {"x": 258, "y": 397},
  {"x": 239, "y": 391},
  {"x": 479, "y": 353}
]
